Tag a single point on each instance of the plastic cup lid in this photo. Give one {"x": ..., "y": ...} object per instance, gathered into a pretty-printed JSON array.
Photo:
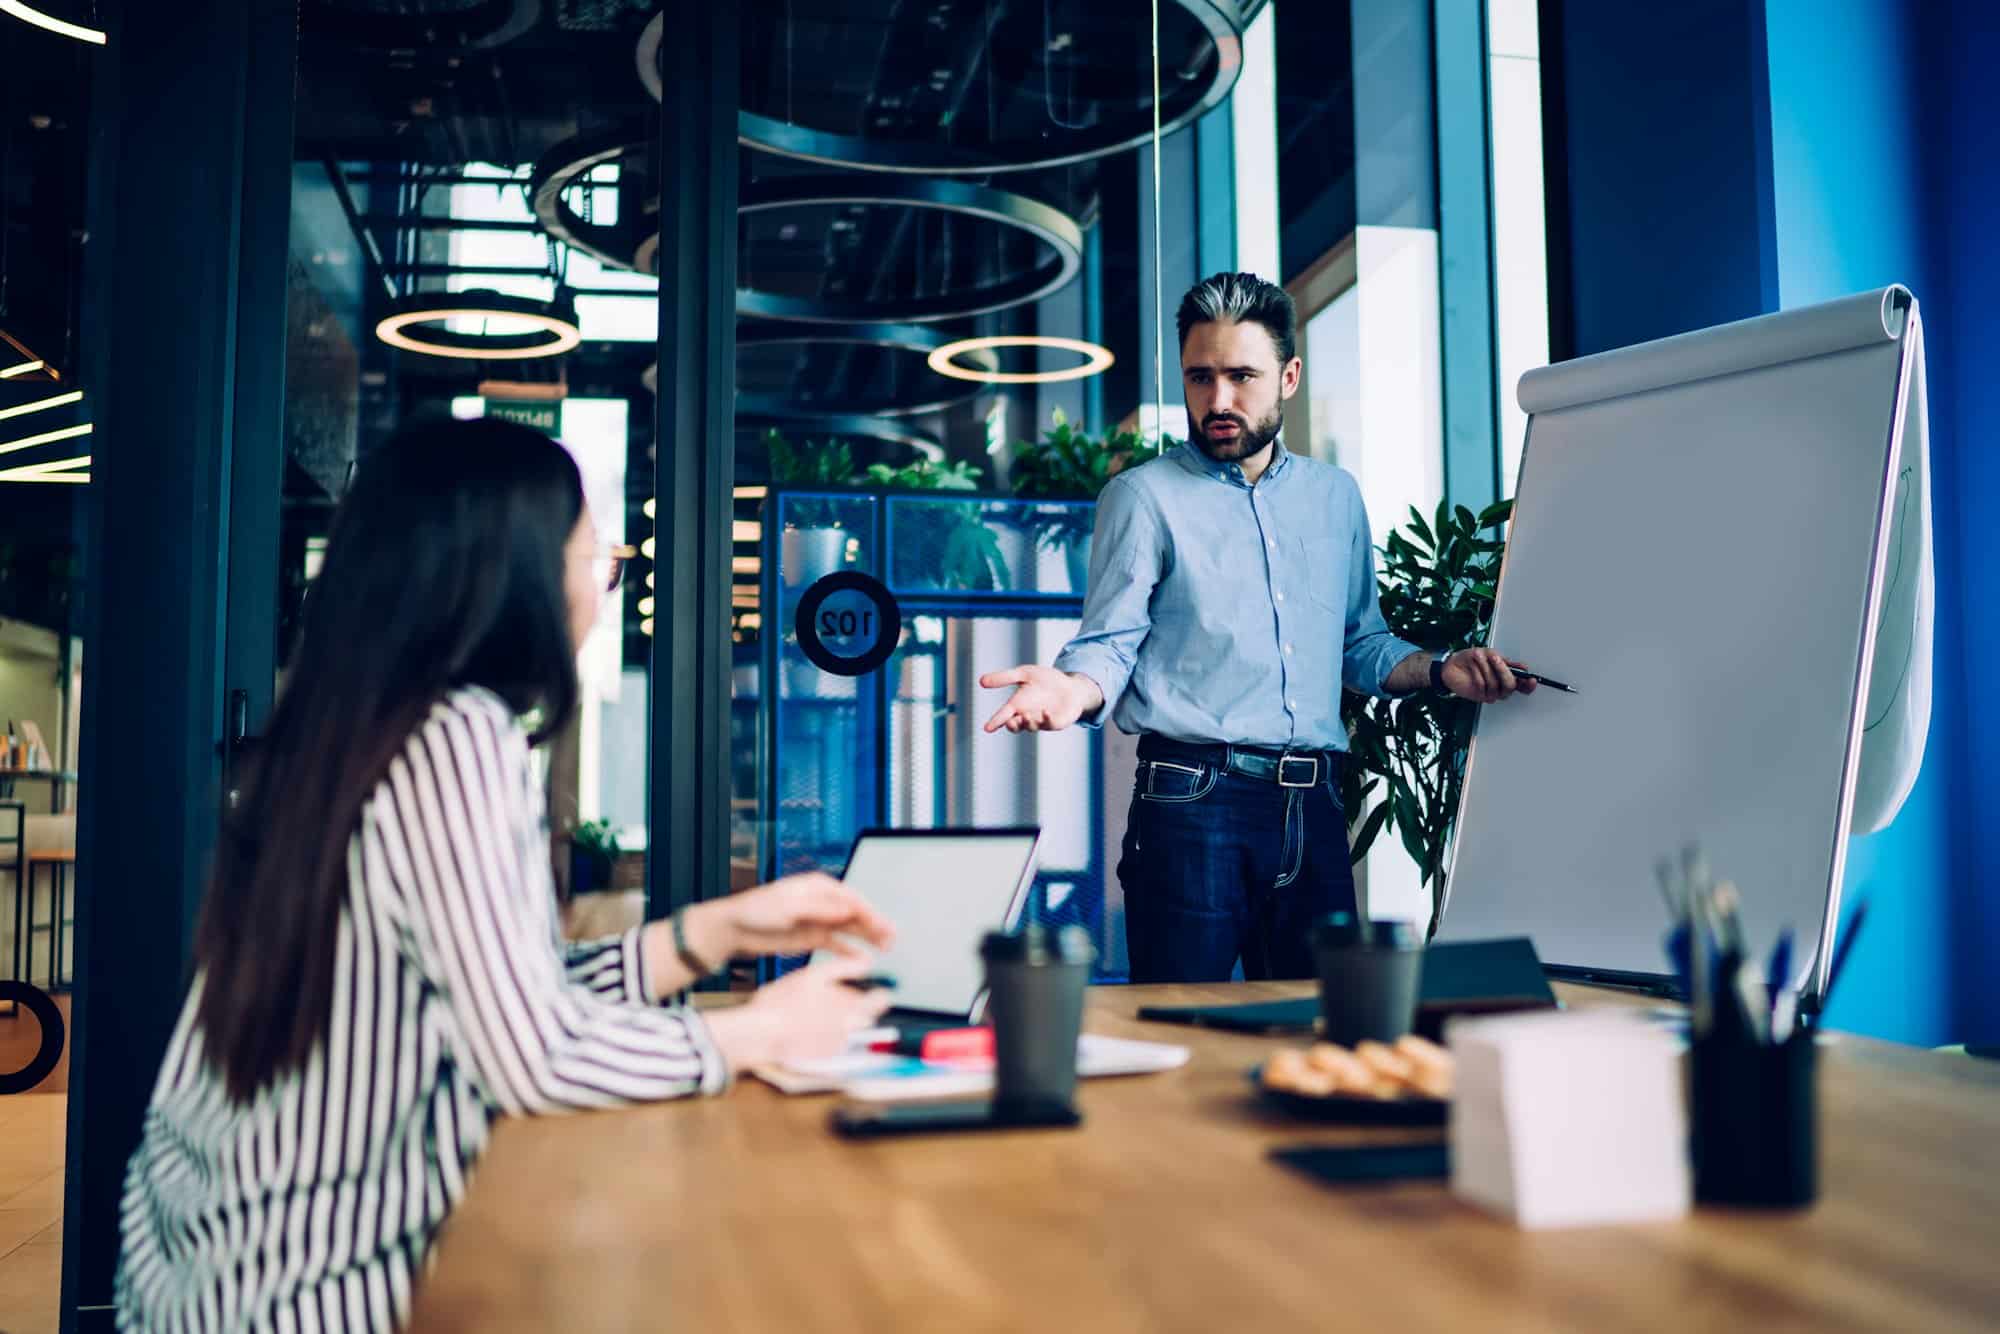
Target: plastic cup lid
[
  {"x": 1345, "y": 929},
  {"x": 1038, "y": 944}
]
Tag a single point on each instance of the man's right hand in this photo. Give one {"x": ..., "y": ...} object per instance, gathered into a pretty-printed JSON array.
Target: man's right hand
[{"x": 1044, "y": 699}]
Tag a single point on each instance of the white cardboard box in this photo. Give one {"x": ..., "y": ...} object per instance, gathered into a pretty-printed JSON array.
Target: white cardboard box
[{"x": 1568, "y": 1120}]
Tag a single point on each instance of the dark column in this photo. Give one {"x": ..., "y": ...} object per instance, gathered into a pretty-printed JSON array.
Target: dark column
[
  {"x": 172, "y": 310},
  {"x": 694, "y": 467}
]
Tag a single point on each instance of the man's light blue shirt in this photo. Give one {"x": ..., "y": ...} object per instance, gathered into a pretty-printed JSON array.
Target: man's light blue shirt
[{"x": 1222, "y": 611}]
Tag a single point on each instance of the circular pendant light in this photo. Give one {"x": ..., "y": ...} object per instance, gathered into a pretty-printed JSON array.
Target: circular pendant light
[
  {"x": 34, "y": 17},
  {"x": 818, "y": 421},
  {"x": 1097, "y": 359},
  {"x": 633, "y": 243},
  {"x": 1206, "y": 76},
  {"x": 913, "y": 339},
  {"x": 1054, "y": 229},
  {"x": 569, "y": 163},
  {"x": 530, "y": 328}
]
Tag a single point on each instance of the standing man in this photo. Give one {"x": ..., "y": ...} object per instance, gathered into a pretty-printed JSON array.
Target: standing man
[{"x": 1232, "y": 596}]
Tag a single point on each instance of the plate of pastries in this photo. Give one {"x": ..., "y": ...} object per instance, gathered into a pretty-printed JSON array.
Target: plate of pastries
[{"x": 1407, "y": 1082}]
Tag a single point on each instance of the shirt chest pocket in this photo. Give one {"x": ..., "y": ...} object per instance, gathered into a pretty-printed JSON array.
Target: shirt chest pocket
[{"x": 1323, "y": 571}]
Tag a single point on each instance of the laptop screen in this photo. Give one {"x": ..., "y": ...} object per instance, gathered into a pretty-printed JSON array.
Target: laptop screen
[{"x": 942, "y": 890}]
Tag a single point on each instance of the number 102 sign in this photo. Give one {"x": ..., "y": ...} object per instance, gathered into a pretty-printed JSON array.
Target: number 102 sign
[{"x": 848, "y": 623}]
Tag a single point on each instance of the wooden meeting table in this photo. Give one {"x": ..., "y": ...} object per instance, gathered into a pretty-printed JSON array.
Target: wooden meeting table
[{"x": 1162, "y": 1212}]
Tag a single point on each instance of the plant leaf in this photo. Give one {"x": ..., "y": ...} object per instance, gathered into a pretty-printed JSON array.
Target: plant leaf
[
  {"x": 1364, "y": 837},
  {"x": 1421, "y": 530}
]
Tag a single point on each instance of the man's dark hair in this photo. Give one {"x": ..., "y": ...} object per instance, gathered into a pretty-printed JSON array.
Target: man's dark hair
[{"x": 1242, "y": 298}]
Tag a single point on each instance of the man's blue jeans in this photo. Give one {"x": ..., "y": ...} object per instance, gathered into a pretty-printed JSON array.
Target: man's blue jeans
[{"x": 1219, "y": 866}]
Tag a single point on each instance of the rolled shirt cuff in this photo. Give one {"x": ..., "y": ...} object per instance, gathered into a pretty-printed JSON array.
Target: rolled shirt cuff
[
  {"x": 716, "y": 1076},
  {"x": 1102, "y": 667}
]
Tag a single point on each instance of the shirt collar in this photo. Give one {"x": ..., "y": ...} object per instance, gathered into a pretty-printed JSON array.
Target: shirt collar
[{"x": 1195, "y": 460}]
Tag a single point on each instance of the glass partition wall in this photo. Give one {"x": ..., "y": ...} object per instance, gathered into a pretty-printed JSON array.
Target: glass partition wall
[
  {"x": 47, "y": 418},
  {"x": 961, "y": 232},
  {"x": 950, "y": 279},
  {"x": 474, "y": 201}
]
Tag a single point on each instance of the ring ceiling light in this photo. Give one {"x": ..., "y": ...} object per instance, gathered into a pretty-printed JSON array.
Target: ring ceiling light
[
  {"x": 855, "y": 426},
  {"x": 889, "y": 337},
  {"x": 28, "y": 14},
  {"x": 46, "y": 438},
  {"x": 1187, "y": 102},
  {"x": 567, "y": 164},
  {"x": 944, "y": 360},
  {"x": 911, "y": 338},
  {"x": 632, "y": 243},
  {"x": 42, "y": 404},
  {"x": 646, "y": 258},
  {"x": 1050, "y": 226},
  {"x": 538, "y": 328},
  {"x": 72, "y": 470}
]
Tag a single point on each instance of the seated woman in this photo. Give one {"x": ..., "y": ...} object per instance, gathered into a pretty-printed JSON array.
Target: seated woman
[{"x": 378, "y": 971}]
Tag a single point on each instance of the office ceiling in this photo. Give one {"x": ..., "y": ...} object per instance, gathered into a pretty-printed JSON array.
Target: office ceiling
[{"x": 835, "y": 91}]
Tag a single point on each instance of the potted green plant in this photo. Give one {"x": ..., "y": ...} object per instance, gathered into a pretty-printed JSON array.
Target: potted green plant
[
  {"x": 593, "y": 849},
  {"x": 945, "y": 544},
  {"x": 814, "y": 544},
  {"x": 1437, "y": 585},
  {"x": 1067, "y": 464}
]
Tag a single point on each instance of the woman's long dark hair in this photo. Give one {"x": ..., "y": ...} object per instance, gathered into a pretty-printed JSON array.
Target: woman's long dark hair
[{"x": 444, "y": 568}]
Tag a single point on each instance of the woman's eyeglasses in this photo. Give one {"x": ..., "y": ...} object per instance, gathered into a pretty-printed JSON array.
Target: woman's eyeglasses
[{"x": 611, "y": 562}]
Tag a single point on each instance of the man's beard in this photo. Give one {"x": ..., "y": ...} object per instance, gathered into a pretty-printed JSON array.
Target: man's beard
[{"x": 1247, "y": 440}]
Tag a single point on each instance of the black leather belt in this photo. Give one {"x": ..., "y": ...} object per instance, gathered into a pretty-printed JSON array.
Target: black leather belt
[{"x": 1286, "y": 768}]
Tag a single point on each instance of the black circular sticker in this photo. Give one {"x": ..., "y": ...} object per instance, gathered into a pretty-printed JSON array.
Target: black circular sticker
[
  {"x": 848, "y": 623},
  {"x": 38, "y": 1003}
]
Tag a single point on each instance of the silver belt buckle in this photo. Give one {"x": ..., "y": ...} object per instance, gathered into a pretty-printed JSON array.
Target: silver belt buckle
[{"x": 1312, "y": 770}]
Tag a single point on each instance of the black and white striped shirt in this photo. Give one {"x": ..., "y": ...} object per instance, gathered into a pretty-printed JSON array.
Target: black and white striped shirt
[{"x": 455, "y": 1001}]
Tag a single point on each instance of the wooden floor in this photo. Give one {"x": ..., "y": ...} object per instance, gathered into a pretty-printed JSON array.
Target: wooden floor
[
  {"x": 31, "y": 1200},
  {"x": 31, "y": 1184}
]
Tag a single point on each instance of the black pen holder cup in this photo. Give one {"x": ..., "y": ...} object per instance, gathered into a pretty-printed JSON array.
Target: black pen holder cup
[{"x": 1754, "y": 1117}]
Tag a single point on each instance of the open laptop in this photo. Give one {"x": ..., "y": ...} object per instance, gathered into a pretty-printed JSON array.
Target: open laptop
[{"x": 943, "y": 890}]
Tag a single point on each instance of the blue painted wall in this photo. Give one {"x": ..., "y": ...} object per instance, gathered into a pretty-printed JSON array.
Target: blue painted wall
[
  {"x": 1866, "y": 179},
  {"x": 1667, "y": 168},
  {"x": 1729, "y": 157},
  {"x": 1966, "y": 188}
]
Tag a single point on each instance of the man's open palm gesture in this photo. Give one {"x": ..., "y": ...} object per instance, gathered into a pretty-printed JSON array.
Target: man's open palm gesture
[{"x": 1044, "y": 699}]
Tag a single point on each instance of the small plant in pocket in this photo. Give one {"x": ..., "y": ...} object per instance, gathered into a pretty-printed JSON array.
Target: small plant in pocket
[{"x": 948, "y": 544}]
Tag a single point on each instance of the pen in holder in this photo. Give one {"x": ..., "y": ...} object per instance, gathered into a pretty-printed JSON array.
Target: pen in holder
[
  {"x": 1754, "y": 1117},
  {"x": 1752, "y": 1068}
]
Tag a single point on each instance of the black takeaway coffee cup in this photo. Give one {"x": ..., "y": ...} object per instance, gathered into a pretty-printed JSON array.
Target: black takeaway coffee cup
[
  {"x": 1369, "y": 975},
  {"x": 1035, "y": 982}
]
